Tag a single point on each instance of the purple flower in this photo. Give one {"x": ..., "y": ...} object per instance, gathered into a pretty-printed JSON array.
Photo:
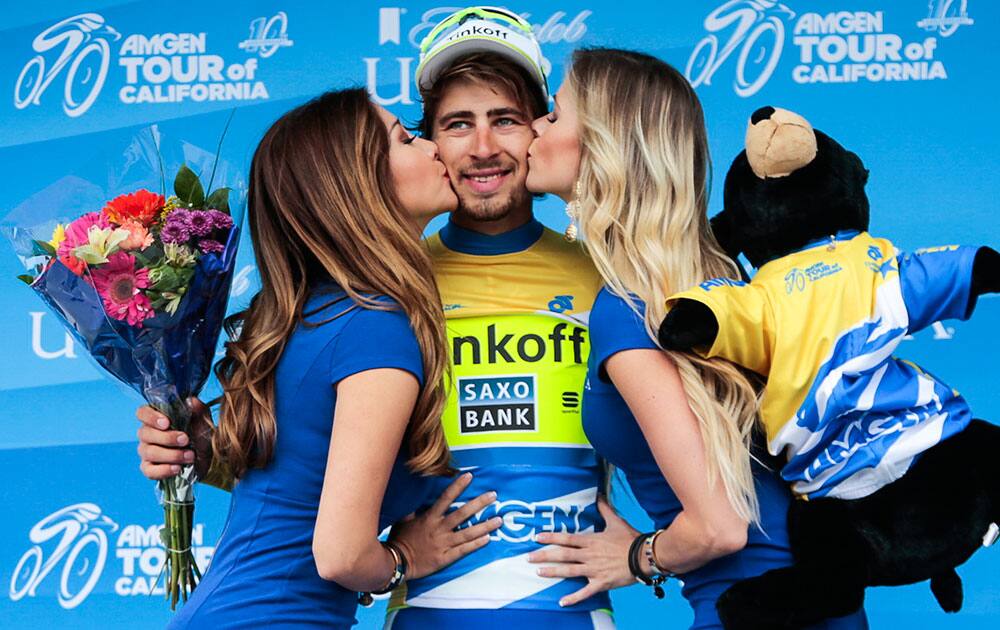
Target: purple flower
[
  {"x": 200, "y": 223},
  {"x": 220, "y": 220},
  {"x": 209, "y": 246},
  {"x": 175, "y": 232},
  {"x": 180, "y": 215}
]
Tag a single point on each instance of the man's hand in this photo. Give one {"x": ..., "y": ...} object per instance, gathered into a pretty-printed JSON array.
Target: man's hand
[{"x": 162, "y": 451}]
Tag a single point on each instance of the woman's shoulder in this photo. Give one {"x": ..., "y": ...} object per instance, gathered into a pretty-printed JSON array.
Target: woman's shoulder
[
  {"x": 347, "y": 330},
  {"x": 374, "y": 336},
  {"x": 332, "y": 306},
  {"x": 615, "y": 325},
  {"x": 611, "y": 309}
]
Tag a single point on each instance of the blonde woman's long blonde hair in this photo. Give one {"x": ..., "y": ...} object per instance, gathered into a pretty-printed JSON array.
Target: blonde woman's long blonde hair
[
  {"x": 321, "y": 207},
  {"x": 642, "y": 211}
]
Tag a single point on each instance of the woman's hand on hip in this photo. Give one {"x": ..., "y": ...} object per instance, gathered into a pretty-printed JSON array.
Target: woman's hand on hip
[
  {"x": 602, "y": 558},
  {"x": 431, "y": 539}
]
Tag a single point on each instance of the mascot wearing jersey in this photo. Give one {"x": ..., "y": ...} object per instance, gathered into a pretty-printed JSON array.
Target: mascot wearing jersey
[{"x": 897, "y": 482}]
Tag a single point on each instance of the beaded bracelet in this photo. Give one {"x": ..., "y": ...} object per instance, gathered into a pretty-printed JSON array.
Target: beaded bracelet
[
  {"x": 649, "y": 546},
  {"x": 397, "y": 578},
  {"x": 634, "y": 566}
]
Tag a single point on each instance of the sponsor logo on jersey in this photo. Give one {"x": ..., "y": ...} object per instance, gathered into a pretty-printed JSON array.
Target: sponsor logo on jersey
[
  {"x": 497, "y": 403},
  {"x": 564, "y": 343}
]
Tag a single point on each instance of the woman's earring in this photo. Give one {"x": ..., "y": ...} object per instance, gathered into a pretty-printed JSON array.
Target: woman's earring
[{"x": 572, "y": 210}]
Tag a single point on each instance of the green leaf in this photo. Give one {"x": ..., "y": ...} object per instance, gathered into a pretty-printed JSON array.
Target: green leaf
[
  {"x": 26, "y": 279},
  {"x": 167, "y": 279},
  {"x": 43, "y": 248},
  {"x": 188, "y": 188},
  {"x": 152, "y": 254},
  {"x": 219, "y": 199}
]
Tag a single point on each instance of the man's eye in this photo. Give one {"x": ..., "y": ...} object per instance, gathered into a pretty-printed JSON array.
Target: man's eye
[
  {"x": 458, "y": 124},
  {"x": 507, "y": 122}
]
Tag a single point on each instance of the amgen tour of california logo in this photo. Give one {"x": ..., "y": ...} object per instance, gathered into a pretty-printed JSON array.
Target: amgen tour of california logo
[
  {"x": 70, "y": 547},
  {"x": 834, "y": 47},
  {"x": 75, "y": 54}
]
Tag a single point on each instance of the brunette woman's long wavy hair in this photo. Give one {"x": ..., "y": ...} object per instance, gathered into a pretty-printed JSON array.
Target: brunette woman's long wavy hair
[{"x": 321, "y": 206}]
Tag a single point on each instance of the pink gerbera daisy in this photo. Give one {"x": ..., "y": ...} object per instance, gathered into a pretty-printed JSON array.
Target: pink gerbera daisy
[{"x": 119, "y": 284}]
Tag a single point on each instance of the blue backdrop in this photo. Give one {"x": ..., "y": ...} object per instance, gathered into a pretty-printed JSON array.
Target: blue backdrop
[{"x": 907, "y": 84}]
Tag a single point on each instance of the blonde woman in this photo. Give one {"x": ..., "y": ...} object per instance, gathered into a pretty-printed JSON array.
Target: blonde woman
[{"x": 626, "y": 148}]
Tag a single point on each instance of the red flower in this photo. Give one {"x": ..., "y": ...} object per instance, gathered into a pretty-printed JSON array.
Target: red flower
[
  {"x": 75, "y": 264},
  {"x": 142, "y": 206}
]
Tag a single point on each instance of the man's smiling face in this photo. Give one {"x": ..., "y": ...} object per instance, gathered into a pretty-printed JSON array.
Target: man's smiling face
[{"x": 482, "y": 135}]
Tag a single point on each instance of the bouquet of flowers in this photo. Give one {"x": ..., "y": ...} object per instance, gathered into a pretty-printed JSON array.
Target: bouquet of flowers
[{"x": 142, "y": 284}]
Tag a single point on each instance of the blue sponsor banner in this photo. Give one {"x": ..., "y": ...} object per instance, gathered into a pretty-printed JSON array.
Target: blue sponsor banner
[{"x": 907, "y": 85}]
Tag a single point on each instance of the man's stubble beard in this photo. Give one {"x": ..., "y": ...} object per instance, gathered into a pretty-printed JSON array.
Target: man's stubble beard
[{"x": 491, "y": 209}]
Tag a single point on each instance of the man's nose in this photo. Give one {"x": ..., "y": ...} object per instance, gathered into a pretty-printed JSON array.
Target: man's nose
[{"x": 486, "y": 143}]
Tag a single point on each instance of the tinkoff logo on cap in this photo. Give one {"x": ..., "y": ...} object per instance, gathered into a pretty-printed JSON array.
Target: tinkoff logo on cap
[{"x": 480, "y": 29}]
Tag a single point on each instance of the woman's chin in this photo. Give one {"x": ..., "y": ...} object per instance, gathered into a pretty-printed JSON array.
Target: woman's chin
[
  {"x": 450, "y": 205},
  {"x": 537, "y": 187},
  {"x": 534, "y": 187}
]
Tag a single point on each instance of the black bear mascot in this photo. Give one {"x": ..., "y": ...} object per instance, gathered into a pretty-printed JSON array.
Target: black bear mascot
[{"x": 897, "y": 483}]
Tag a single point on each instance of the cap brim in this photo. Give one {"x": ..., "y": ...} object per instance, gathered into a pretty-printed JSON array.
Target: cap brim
[{"x": 443, "y": 58}]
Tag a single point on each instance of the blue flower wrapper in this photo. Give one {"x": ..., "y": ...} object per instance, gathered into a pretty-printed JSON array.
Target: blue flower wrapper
[
  {"x": 170, "y": 357},
  {"x": 169, "y": 297}
]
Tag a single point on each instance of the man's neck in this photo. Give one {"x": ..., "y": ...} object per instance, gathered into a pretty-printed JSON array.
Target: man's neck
[{"x": 513, "y": 220}]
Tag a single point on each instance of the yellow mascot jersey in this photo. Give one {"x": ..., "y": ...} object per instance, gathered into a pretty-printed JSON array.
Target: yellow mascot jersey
[
  {"x": 517, "y": 308},
  {"x": 821, "y": 324}
]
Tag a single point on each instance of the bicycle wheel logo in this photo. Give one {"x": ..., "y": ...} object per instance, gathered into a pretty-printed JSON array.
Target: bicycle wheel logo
[
  {"x": 756, "y": 38},
  {"x": 79, "y": 45},
  {"x": 80, "y": 535}
]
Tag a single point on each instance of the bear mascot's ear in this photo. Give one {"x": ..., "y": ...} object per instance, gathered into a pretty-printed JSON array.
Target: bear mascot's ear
[
  {"x": 722, "y": 230},
  {"x": 725, "y": 236}
]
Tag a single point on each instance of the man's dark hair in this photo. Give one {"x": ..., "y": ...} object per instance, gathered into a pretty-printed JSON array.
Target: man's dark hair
[{"x": 490, "y": 69}]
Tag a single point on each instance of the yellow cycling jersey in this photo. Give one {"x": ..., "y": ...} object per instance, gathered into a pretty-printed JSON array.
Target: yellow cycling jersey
[
  {"x": 822, "y": 324},
  {"x": 516, "y": 321},
  {"x": 517, "y": 308}
]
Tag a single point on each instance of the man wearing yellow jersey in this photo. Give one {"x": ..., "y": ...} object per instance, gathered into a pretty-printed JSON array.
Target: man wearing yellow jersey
[{"x": 517, "y": 298}]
